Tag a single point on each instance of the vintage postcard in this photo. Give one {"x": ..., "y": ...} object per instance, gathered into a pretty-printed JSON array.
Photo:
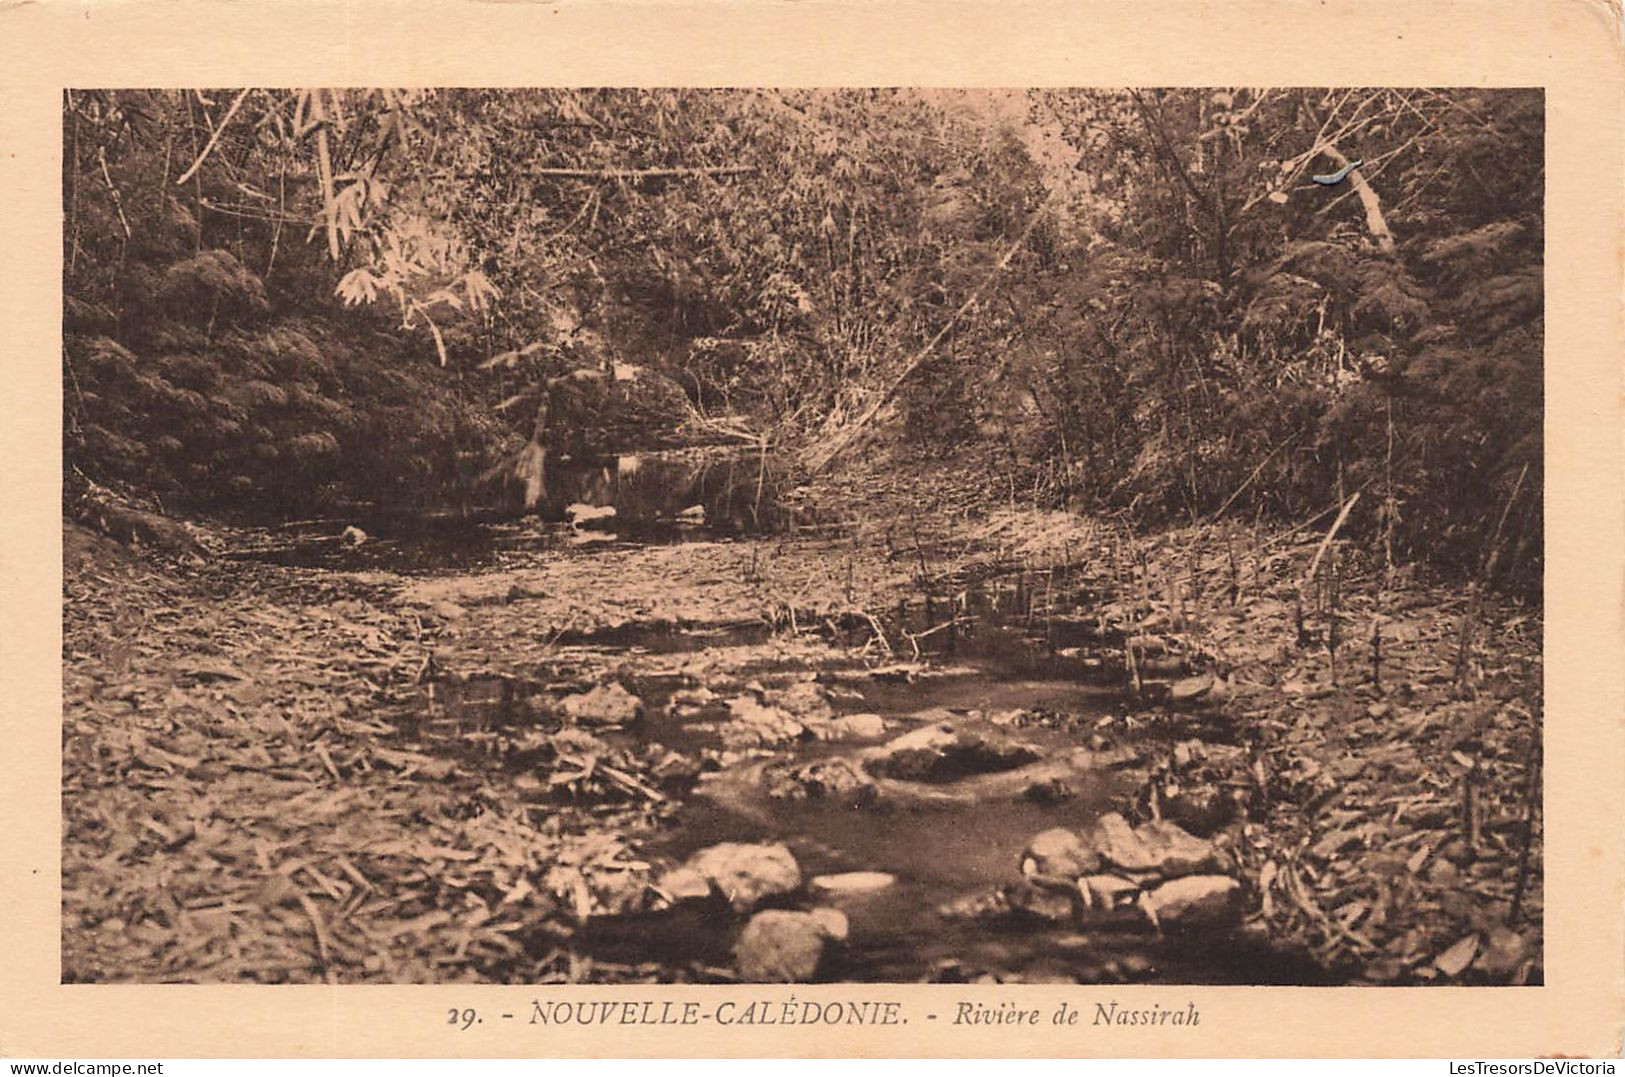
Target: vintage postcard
[{"x": 817, "y": 530}]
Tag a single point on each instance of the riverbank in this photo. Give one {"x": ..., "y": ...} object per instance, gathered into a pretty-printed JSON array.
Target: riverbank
[{"x": 285, "y": 774}]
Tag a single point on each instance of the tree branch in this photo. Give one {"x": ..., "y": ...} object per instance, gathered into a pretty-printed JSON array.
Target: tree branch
[
  {"x": 1375, "y": 222},
  {"x": 214, "y": 138}
]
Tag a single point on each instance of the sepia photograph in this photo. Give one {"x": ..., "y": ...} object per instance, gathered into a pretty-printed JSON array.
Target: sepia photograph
[{"x": 899, "y": 535}]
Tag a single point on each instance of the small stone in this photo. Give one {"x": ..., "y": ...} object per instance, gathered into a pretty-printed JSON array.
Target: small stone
[
  {"x": 1455, "y": 960},
  {"x": 697, "y": 696},
  {"x": 1060, "y": 853},
  {"x": 745, "y": 874},
  {"x": 1051, "y": 792},
  {"x": 608, "y": 704},
  {"x": 1194, "y": 901},
  {"x": 780, "y": 946},
  {"x": 447, "y": 610},
  {"x": 852, "y": 882},
  {"x": 1443, "y": 873},
  {"x": 1191, "y": 688}
]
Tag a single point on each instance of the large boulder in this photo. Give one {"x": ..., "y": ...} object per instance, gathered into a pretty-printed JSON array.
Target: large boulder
[
  {"x": 782, "y": 946},
  {"x": 746, "y": 874},
  {"x": 1167, "y": 850},
  {"x": 1157, "y": 848},
  {"x": 942, "y": 753}
]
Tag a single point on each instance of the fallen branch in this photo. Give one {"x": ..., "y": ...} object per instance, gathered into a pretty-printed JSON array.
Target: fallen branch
[
  {"x": 646, "y": 173},
  {"x": 1325, "y": 543},
  {"x": 821, "y": 455},
  {"x": 1216, "y": 513}
]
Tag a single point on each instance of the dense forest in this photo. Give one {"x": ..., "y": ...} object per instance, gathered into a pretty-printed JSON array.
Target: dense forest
[
  {"x": 1134, "y": 300},
  {"x": 965, "y": 536}
]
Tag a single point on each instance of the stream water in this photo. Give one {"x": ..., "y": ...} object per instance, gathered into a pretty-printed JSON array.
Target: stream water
[
  {"x": 653, "y": 498},
  {"x": 948, "y": 845}
]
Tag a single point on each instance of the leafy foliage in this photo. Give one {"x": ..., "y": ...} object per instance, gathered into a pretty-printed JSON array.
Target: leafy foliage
[{"x": 1132, "y": 300}]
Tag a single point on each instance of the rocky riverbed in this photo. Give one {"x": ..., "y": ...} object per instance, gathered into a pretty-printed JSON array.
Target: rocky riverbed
[{"x": 1021, "y": 755}]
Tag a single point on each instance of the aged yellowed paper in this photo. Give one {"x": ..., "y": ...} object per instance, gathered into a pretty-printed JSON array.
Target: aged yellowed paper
[{"x": 1123, "y": 71}]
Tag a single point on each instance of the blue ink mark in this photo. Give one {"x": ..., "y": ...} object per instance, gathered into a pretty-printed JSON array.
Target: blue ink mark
[{"x": 1337, "y": 177}]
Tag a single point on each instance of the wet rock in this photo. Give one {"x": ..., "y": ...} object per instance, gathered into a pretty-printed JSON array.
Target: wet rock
[
  {"x": 684, "y": 884},
  {"x": 448, "y": 610},
  {"x": 1053, "y": 791},
  {"x": 940, "y": 753},
  {"x": 608, "y": 704},
  {"x": 852, "y": 882},
  {"x": 1106, "y": 891},
  {"x": 823, "y": 779},
  {"x": 1112, "y": 839},
  {"x": 781, "y": 946},
  {"x": 673, "y": 770},
  {"x": 1171, "y": 851},
  {"x": 1194, "y": 901},
  {"x": 1059, "y": 853},
  {"x": 1203, "y": 809},
  {"x": 751, "y": 724},
  {"x": 581, "y": 515},
  {"x": 1035, "y": 900},
  {"x": 982, "y": 905},
  {"x": 1159, "y": 847},
  {"x": 851, "y": 727},
  {"x": 806, "y": 702},
  {"x": 1050, "y": 900},
  {"x": 746, "y": 874},
  {"x": 691, "y": 699}
]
